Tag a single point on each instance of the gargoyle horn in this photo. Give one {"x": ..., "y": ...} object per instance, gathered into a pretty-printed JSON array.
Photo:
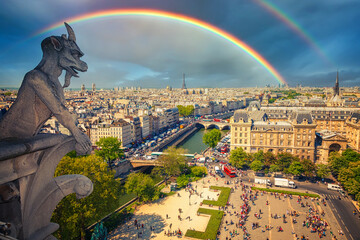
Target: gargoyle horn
[{"x": 71, "y": 32}]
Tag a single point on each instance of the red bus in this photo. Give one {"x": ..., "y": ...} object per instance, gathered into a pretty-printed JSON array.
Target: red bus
[
  {"x": 229, "y": 171},
  {"x": 224, "y": 149}
]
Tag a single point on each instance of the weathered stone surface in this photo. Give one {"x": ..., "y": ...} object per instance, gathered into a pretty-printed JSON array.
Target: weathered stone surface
[{"x": 29, "y": 192}]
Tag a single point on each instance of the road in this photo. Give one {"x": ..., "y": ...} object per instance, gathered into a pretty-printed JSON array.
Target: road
[{"x": 342, "y": 209}]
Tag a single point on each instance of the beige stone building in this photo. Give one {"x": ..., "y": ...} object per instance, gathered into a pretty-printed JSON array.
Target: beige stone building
[
  {"x": 252, "y": 130},
  {"x": 353, "y": 131},
  {"x": 327, "y": 142},
  {"x": 119, "y": 129}
]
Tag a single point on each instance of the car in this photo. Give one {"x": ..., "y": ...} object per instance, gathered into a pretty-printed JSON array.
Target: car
[
  {"x": 342, "y": 193},
  {"x": 220, "y": 174}
]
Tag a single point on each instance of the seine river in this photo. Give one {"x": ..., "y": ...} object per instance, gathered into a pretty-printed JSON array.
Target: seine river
[{"x": 194, "y": 144}]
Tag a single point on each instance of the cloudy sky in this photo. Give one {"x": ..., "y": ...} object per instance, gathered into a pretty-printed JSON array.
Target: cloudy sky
[{"x": 305, "y": 41}]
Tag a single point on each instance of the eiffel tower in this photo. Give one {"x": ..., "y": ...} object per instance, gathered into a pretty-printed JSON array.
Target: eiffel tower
[{"x": 183, "y": 85}]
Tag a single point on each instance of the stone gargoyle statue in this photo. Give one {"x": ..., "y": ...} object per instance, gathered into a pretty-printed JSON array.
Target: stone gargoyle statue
[
  {"x": 29, "y": 192},
  {"x": 41, "y": 94}
]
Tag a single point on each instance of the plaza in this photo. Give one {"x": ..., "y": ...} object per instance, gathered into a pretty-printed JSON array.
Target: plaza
[{"x": 166, "y": 217}]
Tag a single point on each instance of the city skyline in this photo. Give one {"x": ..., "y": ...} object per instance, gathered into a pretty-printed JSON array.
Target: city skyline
[{"x": 233, "y": 44}]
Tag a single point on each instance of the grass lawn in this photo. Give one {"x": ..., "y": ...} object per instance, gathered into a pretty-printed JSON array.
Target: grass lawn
[
  {"x": 223, "y": 198},
  {"x": 286, "y": 192},
  {"x": 212, "y": 227}
]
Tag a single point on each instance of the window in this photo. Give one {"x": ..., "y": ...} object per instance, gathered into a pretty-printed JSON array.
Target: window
[
  {"x": 240, "y": 141},
  {"x": 281, "y": 135},
  {"x": 240, "y": 134},
  {"x": 245, "y": 134},
  {"x": 281, "y": 142}
]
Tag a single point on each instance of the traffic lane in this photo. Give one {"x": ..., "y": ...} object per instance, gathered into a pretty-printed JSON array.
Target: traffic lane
[{"x": 342, "y": 210}]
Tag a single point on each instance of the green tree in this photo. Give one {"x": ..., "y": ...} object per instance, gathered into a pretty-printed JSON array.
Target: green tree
[
  {"x": 337, "y": 162},
  {"x": 172, "y": 162},
  {"x": 256, "y": 165},
  {"x": 272, "y": 100},
  {"x": 185, "y": 111},
  {"x": 274, "y": 168},
  {"x": 142, "y": 185},
  {"x": 198, "y": 171},
  {"x": 284, "y": 160},
  {"x": 182, "y": 180},
  {"x": 212, "y": 138},
  {"x": 74, "y": 215},
  {"x": 269, "y": 158},
  {"x": 322, "y": 170},
  {"x": 296, "y": 168},
  {"x": 309, "y": 167},
  {"x": 350, "y": 155},
  {"x": 110, "y": 149},
  {"x": 258, "y": 156},
  {"x": 238, "y": 158}
]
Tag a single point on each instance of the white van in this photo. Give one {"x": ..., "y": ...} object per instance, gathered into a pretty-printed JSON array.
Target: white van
[{"x": 333, "y": 187}]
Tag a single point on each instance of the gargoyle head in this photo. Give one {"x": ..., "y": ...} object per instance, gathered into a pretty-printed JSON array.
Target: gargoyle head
[{"x": 68, "y": 53}]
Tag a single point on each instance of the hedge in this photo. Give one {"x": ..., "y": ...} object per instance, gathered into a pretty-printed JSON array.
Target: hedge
[
  {"x": 286, "y": 192},
  {"x": 223, "y": 197},
  {"x": 212, "y": 227}
]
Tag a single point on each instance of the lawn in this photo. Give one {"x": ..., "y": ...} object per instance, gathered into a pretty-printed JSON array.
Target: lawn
[
  {"x": 212, "y": 227},
  {"x": 223, "y": 198},
  {"x": 286, "y": 192}
]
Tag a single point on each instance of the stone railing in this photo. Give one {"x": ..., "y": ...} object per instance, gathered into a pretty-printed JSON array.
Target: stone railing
[{"x": 29, "y": 192}]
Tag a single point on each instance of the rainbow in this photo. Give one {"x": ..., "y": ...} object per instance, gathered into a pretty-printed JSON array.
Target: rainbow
[
  {"x": 173, "y": 16},
  {"x": 292, "y": 24}
]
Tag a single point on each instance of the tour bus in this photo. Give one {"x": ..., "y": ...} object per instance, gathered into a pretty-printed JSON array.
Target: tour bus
[{"x": 229, "y": 171}]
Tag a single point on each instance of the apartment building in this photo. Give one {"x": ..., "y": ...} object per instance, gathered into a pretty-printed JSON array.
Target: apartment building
[
  {"x": 252, "y": 130},
  {"x": 119, "y": 129}
]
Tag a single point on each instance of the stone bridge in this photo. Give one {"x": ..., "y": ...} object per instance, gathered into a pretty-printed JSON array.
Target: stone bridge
[
  {"x": 142, "y": 163},
  {"x": 213, "y": 124}
]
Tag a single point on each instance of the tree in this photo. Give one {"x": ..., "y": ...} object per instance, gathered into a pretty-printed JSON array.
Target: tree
[
  {"x": 284, "y": 160},
  {"x": 142, "y": 185},
  {"x": 74, "y": 215},
  {"x": 172, "y": 161},
  {"x": 308, "y": 166},
  {"x": 350, "y": 155},
  {"x": 182, "y": 180},
  {"x": 185, "y": 111},
  {"x": 337, "y": 162},
  {"x": 110, "y": 149},
  {"x": 322, "y": 170},
  {"x": 258, "y": 156},
  {"x": 274, "y": 168},
  {"x": 269, "y": 158},
  {"x": 238, "y": 158},
  {"x": 256, "y": 165},
  {"x": 296, "y": 168},
  {"x": 198, "y": 171},
  {"x": 212, "y": 138}
]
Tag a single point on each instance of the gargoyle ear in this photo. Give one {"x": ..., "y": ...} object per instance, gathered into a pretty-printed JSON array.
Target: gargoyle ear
[{"x": 56, "y": 43}]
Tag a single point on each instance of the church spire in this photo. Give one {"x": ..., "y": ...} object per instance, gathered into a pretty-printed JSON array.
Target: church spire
[{"x": 336, "y": 88}]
